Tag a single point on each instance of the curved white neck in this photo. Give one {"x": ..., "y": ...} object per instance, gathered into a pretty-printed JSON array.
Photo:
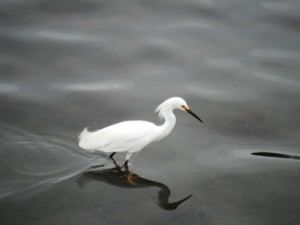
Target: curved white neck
[{"x": 168, "y": 125}]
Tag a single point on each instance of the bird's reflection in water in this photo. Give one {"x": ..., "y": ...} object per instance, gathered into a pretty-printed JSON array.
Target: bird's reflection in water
[{"x": 122, "y": 177}]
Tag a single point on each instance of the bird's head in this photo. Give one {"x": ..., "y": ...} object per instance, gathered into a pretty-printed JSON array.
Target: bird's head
[{"x": 177, "y": 103}]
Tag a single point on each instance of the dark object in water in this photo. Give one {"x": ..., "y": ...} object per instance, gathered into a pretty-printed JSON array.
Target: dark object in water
[{"x": 276, "y": 155}]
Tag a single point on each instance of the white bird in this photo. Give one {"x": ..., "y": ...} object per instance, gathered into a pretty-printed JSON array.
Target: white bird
[{"x": 132, "y": 136}]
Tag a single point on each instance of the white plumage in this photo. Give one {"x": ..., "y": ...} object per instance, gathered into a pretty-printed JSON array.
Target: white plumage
[{"x": 133, "y": 136}]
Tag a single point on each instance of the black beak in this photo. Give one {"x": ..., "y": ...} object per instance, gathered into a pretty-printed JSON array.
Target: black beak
[{"x": 193, "y": 114}]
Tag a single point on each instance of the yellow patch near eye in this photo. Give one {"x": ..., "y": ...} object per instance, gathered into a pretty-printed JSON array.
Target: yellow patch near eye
[{"x": 185, "y": 107}]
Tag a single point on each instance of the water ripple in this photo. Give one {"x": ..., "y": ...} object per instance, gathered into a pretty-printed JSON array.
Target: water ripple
[
  {"x": 275, "y": 78},
  {"x": 35, "y": 34},
  {"x": 94, "y": 86},
  {"x": 8, "y": 88},
  {"x": 282, "y": 6},
  {"x": 229, "y": 157},
  {"x": 218, "y": 92},
  {"x": 64, "y": 36},
  {"x": 275, "y": 54},
  {"x": 224, "y": 63},
  {"x": 190, "y": 25},
  {"x": 31, "y": 163}
]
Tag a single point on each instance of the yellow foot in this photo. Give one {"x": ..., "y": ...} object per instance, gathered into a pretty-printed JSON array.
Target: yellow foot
[{"x": 130, "y": 177}]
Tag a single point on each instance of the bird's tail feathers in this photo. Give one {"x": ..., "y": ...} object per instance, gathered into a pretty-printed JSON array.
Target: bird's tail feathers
[{"x": 83, "y": 134}]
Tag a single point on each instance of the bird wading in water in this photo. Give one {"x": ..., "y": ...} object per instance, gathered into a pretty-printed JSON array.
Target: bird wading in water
[{"x": 132, "y": 136}]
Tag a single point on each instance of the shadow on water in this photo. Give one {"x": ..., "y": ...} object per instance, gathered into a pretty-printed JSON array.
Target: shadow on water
[
  {"x": 122, "y": 177},
  {"x": 276, "y": 155}
]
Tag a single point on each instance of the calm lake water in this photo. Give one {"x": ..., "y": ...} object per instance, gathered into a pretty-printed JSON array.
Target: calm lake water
[{"x": 70, "y": 64}]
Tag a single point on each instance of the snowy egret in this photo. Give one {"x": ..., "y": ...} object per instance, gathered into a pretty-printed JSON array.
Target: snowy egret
[{"x": 132, "y": 136}]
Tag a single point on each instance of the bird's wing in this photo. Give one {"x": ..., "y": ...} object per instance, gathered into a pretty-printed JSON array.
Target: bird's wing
[{"x": 118, "y": 137}]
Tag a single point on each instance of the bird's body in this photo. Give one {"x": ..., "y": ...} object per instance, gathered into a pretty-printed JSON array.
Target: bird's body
[
  {"x": 123, "y": 140},
  {"x": 132, "y": 136}
]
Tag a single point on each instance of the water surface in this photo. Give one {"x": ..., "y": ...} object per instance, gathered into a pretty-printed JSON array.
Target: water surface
[{"x": 66, "y": 65}]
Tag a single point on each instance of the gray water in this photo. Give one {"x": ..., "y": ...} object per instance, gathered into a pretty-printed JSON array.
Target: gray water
[{"x": 66, "y": 65}]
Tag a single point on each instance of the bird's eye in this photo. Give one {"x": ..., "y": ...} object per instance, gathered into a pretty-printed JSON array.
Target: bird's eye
[{"x": 185, "y": 107}]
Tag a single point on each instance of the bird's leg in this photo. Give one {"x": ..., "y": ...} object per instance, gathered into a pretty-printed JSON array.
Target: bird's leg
[
  {"x": 129, "y": 156},
  {"x": 114, "y": 161},
  {"x": 126, "y": 165},
  {"x": 112, "y": 154},
  {"x": 130, "y": 177}
]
